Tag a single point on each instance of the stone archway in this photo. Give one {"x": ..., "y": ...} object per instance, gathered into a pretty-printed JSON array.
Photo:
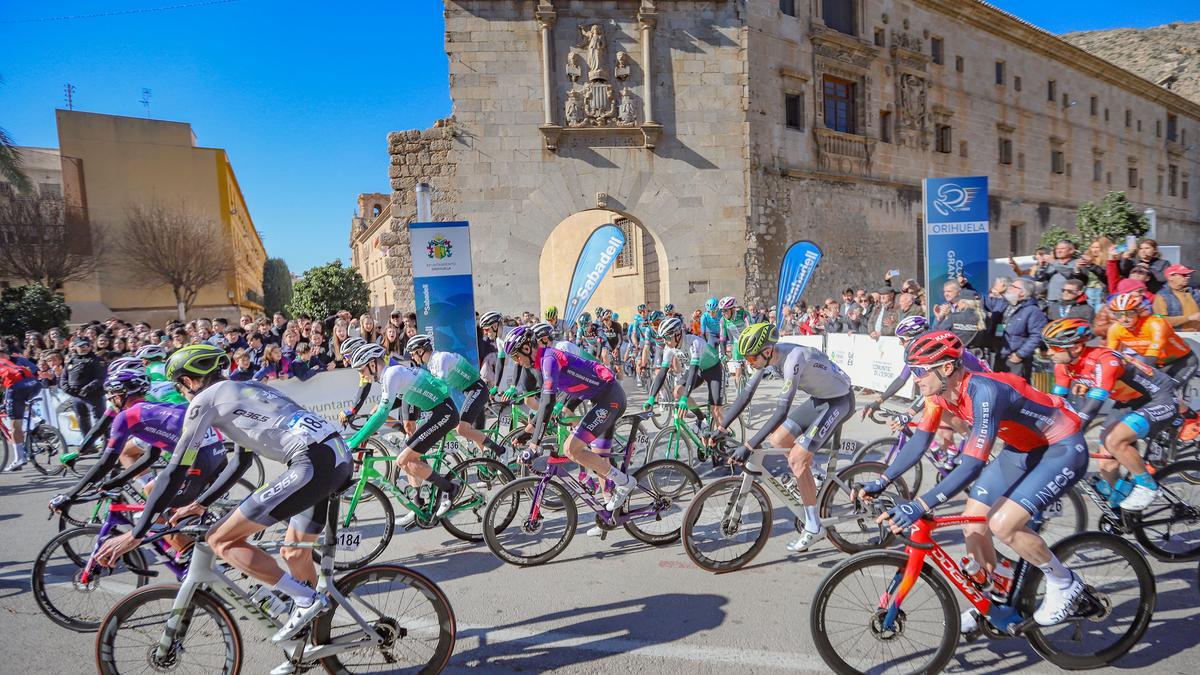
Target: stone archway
[{"x": 638, "y": 276}]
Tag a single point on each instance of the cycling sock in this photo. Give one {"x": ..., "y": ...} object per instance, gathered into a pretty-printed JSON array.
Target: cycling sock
[
  {"x": 812, "y": 519},
  {"x": 1057, "y": 573},
  {"x": 617, "y": 476},
  {"x": 20, "y": 450},
  {"x": 444, "y": 484},
  {"x": 297, "y": 590},
  {"x": 1145, "y": 480}
]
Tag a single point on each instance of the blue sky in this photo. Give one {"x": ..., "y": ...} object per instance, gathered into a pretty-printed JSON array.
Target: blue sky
[{"x": 302, "y": 93}]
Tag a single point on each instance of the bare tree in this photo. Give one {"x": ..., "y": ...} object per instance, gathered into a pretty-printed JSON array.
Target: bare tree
[
  {"x": 176, "y": 247},
  {"x": 44, "y": 240}
]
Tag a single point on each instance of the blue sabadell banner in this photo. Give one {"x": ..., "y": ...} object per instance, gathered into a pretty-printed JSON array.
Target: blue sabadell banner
[
  {"x": 597, "y": 257},
  {"x": 795, "y": 272}
]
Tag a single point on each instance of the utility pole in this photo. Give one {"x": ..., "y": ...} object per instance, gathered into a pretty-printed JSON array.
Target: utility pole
[
  {"x": 70, "y": 95},
  {"x": 146, "y": 101}
]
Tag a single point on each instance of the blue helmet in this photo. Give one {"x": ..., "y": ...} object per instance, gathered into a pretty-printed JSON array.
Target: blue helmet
[{"x": 711, "y": 304}]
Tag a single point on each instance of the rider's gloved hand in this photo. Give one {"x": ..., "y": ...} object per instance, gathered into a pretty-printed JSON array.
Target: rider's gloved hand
[
  {"x": 682, "y": 404},
  {"x": 740, "y": 455},
  {"x": 875, "y": 487},
  {"x": 906, "y": 514},
  {"x": 529, "y": 454},
  {"x": 871, "y": 407},
  {"x": 558, "y": 408},
  {"x": 57, "y": 502},
  {"x": 648, "y": 404},
  {"x": 345, "y": 416},
  {"x": 510, "y": 392},
  {"x": 493, "y": 391}
]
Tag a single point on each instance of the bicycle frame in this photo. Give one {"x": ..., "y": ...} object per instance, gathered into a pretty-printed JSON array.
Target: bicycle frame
[
  {"x": 370, "y": 474},
  {"x": 754, "y": 471},
  {"x": 116, "y": 517}
]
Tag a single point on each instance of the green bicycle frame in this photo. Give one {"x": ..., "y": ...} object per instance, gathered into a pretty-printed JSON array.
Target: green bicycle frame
[{"x": 370, "y": 474}]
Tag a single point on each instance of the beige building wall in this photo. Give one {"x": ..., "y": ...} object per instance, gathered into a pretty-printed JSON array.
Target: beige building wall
[
  {"x": 367, "y": 252},
  {"x": 127, "y": 161}
]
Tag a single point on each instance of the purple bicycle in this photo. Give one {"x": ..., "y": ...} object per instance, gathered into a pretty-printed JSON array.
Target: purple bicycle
[{"x": 531, "y": 520}]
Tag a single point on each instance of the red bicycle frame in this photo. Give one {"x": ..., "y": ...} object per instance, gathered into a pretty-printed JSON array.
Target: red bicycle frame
[{"x": 921, "y": 545}]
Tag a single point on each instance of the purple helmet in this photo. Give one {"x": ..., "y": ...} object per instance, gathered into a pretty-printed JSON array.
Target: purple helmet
[
  {"x": 517, "y": 338},
  {"x": 126, "y": 382},
  {"x": 912, "y": 326}
]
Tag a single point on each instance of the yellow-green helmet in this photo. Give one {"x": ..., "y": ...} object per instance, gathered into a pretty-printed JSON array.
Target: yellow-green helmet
[
  {"x": 196, "y": 361},
  {"x": 756, "y": 338},
  {"x": 551, "y": 313}
]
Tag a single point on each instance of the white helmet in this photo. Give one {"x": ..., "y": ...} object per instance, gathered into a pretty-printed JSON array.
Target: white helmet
[
  {"x": 151, "y": 353},
  {"x": 670, "y": 327},
  {"x": 366, "y": 354},
  {"x": 489, "y": 318},
  {"x": 727, "y": 302}
]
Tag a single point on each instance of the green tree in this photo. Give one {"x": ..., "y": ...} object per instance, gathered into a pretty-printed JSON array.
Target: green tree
[
  {"x": 327, "y": 289},
  {"x": 277, "y": 285},
  {"x": 1114, "y": 218},
  {"x": 31, "y": 307},
  {"x": 1056, "y": 234}
]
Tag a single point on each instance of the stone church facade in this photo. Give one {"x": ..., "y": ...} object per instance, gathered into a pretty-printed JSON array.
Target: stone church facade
[{"x": 716, "y": 133}]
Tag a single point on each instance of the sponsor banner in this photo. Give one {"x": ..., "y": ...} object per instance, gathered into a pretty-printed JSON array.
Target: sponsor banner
[
  {"x": 443, "y": 286},
  {"x": 796, "y": 270},
  {"x": 328, "y": 393},
  {"x": 871, "y": 364},
  {"x": 595, "y": 259},
  {"x": 956, "y": 231}
]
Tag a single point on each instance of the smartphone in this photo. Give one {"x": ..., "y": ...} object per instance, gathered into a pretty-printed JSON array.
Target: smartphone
[
  {"x": 894, "y": 273},
  {"x": 1121, "y": 248},
  {"x": 1130, "y": 243}
]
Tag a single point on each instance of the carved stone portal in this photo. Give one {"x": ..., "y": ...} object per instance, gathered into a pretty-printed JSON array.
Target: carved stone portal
[
  {"x": 594, "y": 103},
  {"x": 914, "y": 111}
]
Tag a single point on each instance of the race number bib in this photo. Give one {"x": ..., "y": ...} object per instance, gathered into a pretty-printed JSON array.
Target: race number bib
[
  {"x": 1054, "y": 510},
  {"x": 348, "y": 540},
  {"x": 311, "y": 427}
]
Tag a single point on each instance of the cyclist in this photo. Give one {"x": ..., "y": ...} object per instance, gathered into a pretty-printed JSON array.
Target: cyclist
[
  {"x": 610, "y": 348},
  {"x": 1044, "y": 454},
  {"x": 566, "y": 373},
  {"x": 804, "y": 428},
  {"x": 20, "y": 386},
  {"x": 591, "y": 342},
  {"x": 414, "y": 391},
  {"x": 458, "y": 374},
  {"x": 733, "y": 321},
  {"x": 259, "y": 419},
  {"x": 154, "y": 360},
  {"x": 669, "y": 312},
  {"x": 1144, "y": 397},
  {"x": 1150, "y": 337},
  {"x": 364, "y": 383},
  {"x": 636, "y": 334},
  {"x": 553, "y": 320},
  {"x": 710, "y": 324},
  {"x": 704, "y": 365}
]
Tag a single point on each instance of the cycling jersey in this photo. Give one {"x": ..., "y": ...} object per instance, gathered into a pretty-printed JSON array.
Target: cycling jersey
[
  {"x": 11, "y": 373},
  {"x": 416, "y": 388},
  {"x": 580, "y": 379},
  {"x": 635, "y": 327},
  {"x": 699, "y": 353},
  {"x": 20, "y": 387},
  {"x": 733, "y": 329},
  {"x": 1151, "y": 337},
  {"x": 453, "y": 369},
  {"x": 1110, "y": 374},
  {"x": 710, "y": 329},
  {"x": 970, "y": 363},
  {"x": 162, "y": 390}
]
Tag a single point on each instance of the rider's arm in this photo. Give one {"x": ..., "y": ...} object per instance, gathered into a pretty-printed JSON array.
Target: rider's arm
[
  {"x": 148, "y": 458},
  {"x": 781, "y": 409},
  {"x": 917, "y": 444},
  {"x": 108, "y": 458},
  {"x": 549, "y": 373},
  {"x": 896, "y": 384},
  {"x": 98, "y": 430},
  {"x": 660, "y": 374},
  {"x": 732, "y": 412},
  {"x": 364, "y": 390},
  {"x": 376, "y": 420},
  {"x": 231, "y": 474},
  {"x": 976, "y": 449}
]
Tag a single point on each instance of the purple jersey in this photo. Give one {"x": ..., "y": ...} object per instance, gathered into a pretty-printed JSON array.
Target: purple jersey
[
  {"x": 158, "y": 425},
  {"x": 577, "y": 377}
]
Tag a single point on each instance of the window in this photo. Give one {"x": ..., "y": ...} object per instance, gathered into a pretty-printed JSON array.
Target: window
[
  {"x": 1097, "y": 170},
  {"x": 1017, "y": 83},
  {"x": 793, "y": 111},
  {"x": 937, "y": 50},
  {"x": 1128, "y": 118},
  {"x": 1139, "y": 125},
  {"x": 945, "y": 138},
  {"x": 1000, "y": 78},
  {"x": 962, "y": 148},
  {"x": 1095, "y": 105},
  {"x": 885, "y": 126},
  {"x": 626, "y": 257},
  {"x": 1066, "y": 100},
  {"x": 1172, "y": 126},
  {"x": 1172, "y": 179},
  {"x": 839, "y": 104},
  {"x": 1183, "y": 192},
  {"x": 1158, "y": 128},
  {"x": 1016, "y": 245},
  {"x": 1051, "y": 91},
  {"x": 788, "y": 7},
  {"x": 839, "y": 15},
  {"x": 1006, "y": 148},
  {"x": 1133, "y": 177},
  {"x": 1108, "y": 177},
  {"x": 1160, "y": 184},
  {"x": 1057, "y": 161},
  {"x": 958, "y": 64},
  {"x": 1021, "y": 161},
  {"x": 879, "y": 37},
  {"x": 1106, "y": 114}
]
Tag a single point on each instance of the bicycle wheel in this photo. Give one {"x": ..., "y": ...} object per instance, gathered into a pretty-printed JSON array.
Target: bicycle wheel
[
  {"x": 83, "y": 463},
  {"x": 856, "y": 529},
  {"x": 1169, "y": 528},
  {"x": 848, "y": 608},
  {"x": 533, "y": 535},
  {"x": 480, "y": 476},
  {"x": 669, "y": 487},
  {"x": 79, "y": 515},
  {"x": 878, "y": 451},
  {"x": 129, "y": 634},
  {"x": 670, "y": 444},
  {"x": 664, "y": 409},
  {"x": 1124, "y": 585},
  {"x": 1064, "y": 518},
  {"x": 717, "y": 540},
  {"x": 365, "y": 530},
  {"x": 45, "y": 445},
  {"x": 406, "y": 609},
  {"x": 60, "y": 590}
]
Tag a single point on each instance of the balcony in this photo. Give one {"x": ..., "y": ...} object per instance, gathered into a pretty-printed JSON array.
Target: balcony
[{"x": 843, "y": 153}]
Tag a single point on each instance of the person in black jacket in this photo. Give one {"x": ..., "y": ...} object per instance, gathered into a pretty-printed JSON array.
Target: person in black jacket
[
  {"x": 1147, "y": 254},
  {"x": 84, "y": 383},
  {"x": 1072, "y": 305}
]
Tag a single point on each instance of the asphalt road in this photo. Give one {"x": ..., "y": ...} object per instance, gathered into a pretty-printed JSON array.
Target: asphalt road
[{"x": 614, "y": 606}]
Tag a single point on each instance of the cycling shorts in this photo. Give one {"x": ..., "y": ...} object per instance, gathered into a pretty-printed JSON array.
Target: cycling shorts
[
  {"x": 817, "y": 419},
  {"x": 1182, "y": 369},
  {"x": 435, "y": 424},
  {"x": 1146, "y": 415},
  {"x": 474, "y": 405},
  {"x": 1035, "y": 480},
  {"x": 18, "y": 396},
  {"x": 712, "y": 377},
  {"x": 301, "y": 494},
  {"x": 596, "y": 427}
]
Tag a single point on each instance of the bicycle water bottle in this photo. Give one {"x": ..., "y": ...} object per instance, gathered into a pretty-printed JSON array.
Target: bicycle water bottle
[
  {"x": 1001, "y": 581},
  {"x": 269, "y": 601},
  {"x": 977, "y": 575}
]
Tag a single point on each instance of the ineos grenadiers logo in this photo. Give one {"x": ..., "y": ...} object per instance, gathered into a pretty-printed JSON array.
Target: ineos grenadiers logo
[
  {"x": 951, "y": 198},
  {"x": 597, "y": 273},
  {"x": 806, "y": 269}
]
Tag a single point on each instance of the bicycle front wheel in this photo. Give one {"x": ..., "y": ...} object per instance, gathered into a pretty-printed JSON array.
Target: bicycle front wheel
[
  {"x": 726, "y": 527},
  {"x": 670, "y": 443},
  {"x": 520, "y": 531},
  {"x": 129, "y": 634},
  {"x": 479, "y": 477},
  {"x": 406, "y": 609},
  {"x": 1169, "y": 528},
  {"x": 1122, "y": 602},
  {"x": 62, "y": 593},
  {"x": 847, "y": 615},
  {"x": 665, "y": 490},
  {"x": 855, "y": 529},
  {"x": 365, "y": 528}
]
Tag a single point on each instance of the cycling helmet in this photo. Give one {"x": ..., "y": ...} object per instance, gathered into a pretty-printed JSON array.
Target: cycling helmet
[
  {"x": 418, "y": 341},
  {"x": 1066, "y": 332},
  {"x": 490, "y": 318},
  {"x": 126, "y": 382},
  {"x": 130, "y": 364},
  {"x": 642, "y": 307},
  {"x": 711, "y": 304},
  {"x": 367, "y": 353},
  {"x": 727, "y": 302},
  {"x": 542, "y": 331},
  {"x": 933, "y": 349},
  {"x": 656, "y": 316},
  {"x": 670, "y": 328},
  {"x": 551, "y": 313},
  {"x": 196, "y": 361},
  {"x": 585, "y": 319},
  {"x": 1124, "y": 302},
  {"x": 151, "y": 353},
  {"x": 350, "y": 344},
  {"x": 600, "y": 312},
  {"x": 912, "y": 326},
  {"x": 669, "y": 307},
  {"x": 756, "y": 338},
  {"x": 517, "y": 338},
  {"x": 608, "y": 314},
  {"x": 613, "y": 316}
]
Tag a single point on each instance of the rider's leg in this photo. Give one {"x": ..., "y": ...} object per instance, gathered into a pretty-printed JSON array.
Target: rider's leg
[
  {"x": 471, "y": 419},
  {"x": 977, "y": 536},
  {"x": 442, "y": 418},
  {"x": 1119, "y": 442},
  {"x": 299, "y": 560},
  {"x": 228, "y": 540}
]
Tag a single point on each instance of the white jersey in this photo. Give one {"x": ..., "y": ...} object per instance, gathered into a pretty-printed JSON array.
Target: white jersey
[
  {"x": 809, "y": 370},
  {"x": 568, "y": 347},
  {"x": 255, "y": 417}
]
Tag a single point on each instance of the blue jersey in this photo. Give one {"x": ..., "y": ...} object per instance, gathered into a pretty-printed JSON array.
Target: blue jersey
[{"x": 711, "y": 329}]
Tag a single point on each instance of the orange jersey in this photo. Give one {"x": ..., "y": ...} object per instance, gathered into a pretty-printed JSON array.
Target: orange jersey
[{"x": 1152, "y": 336}]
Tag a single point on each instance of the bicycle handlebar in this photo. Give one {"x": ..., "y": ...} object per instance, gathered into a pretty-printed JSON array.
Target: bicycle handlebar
[{"x": 886, "y": 413}]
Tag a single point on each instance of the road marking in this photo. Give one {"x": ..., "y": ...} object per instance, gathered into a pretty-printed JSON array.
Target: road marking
[{"x": 741, "y": 658}]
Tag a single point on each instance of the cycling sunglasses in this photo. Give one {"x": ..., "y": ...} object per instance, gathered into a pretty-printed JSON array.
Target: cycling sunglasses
[
  {"x": 919, "y": 371},
  {"x": 1125, "y": 313}
]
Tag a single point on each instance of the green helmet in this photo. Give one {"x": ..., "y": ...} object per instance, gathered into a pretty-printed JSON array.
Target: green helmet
[
  {"x": 756, "y": 338},
  {"x": 196, "y": 361}
]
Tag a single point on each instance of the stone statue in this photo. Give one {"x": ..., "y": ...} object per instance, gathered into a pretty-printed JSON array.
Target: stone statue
[
  {"x": 595, "y": 44},
  {"x": 912, "y": 101},
  {"x": 574, "y": 68},
  {"x": 574, "y": 112},
  {"x": 621, "y": 71},
  {"x": 626, "y": 112}
]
